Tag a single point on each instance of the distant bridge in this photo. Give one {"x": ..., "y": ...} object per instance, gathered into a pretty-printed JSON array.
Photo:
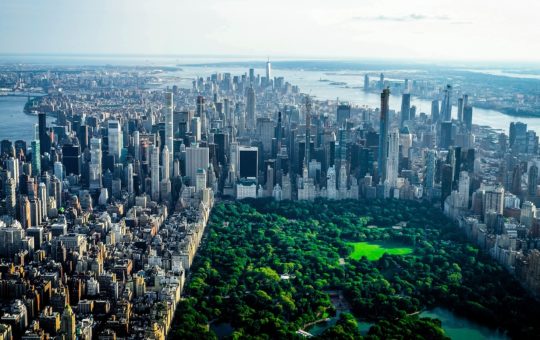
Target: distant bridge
[{"x": 18, "y": 94}]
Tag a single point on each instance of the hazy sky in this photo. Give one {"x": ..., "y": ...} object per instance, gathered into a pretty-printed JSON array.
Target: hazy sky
[{"x": 396, "y": 29}]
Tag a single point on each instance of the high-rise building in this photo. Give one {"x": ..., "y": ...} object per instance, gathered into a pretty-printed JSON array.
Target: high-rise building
[
  {"x": 446, "y": 135},
  {"x": 250, "y": 107},
  {"x": 405, "y": 108},
  {"x": 528, "y": 214},
  {"x": 44, "y": 139},
  {"x": 165, "y": 163},
  {"x": 155, "y": 173},
  {"x": 11, "y": 197},
  {"x": 200, "y": 180},
  {"x": 196, "y": 158},
  {"x": 463, "y": 189},
  {"x": 431, "y": 158},
  {"x": 201, "y": 113},
  {"x": 36, "y": 158},
  {"x": 460, "y": 109},
  {"x": 69, "y": 324},
  {"x": 169, "y": 129},
  {"x": 248, "y": 162},
  {"x": 447, "y": 180},
  {"x": 115, "y": 139},
  {"x": 383, "y": 134},
  {"x": 251, "y": 75},
  {"x": 392, "y": 160},
  {"x": 268, "y": 72},
  {"x": 532, "y": 183},
  {"x": 136, "y": 145},
  {"x": 196, "y": 128},
  {"x": 494, "y": 200},
  {"x": 95, "y": 168},
  {"x": 366, "y": 82},
  {"x": 71, "y": 159},
  {"x": 468, "y": 117},
  {"x": 446, "y": 108},
  {"x": 435, "y": 111},
  {"x": 343, "y": 114},
  {"x": 129, "y": 179}
]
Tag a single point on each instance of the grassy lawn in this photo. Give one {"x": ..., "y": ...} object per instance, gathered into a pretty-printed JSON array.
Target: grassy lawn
[{"x": 374, "y": 251}]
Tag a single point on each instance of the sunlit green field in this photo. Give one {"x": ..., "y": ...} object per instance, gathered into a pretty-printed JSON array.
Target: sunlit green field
[{"x": 374, "y": 251}]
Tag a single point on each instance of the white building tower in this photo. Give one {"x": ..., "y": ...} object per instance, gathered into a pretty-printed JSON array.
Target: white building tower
[
  {"x": 115, "y": 139},
  {"x": 95, "y": 167},
  {"x": 166, "y": 161},
  {"x": 130, "y": 188},
  {"x": 392, "y": 160},
  {"x": 331, "y": 183},
  {"x": 137, "y": 145}
]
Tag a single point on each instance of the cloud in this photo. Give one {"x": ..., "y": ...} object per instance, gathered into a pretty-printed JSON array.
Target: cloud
[{"x": 410, "y": 17}]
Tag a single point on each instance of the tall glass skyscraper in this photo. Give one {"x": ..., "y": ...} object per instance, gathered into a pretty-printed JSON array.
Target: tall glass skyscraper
[{"x": 383, "y": 135}]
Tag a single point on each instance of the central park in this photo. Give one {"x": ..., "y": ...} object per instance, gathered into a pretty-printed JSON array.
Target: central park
[{"x": 347, "y": 269}]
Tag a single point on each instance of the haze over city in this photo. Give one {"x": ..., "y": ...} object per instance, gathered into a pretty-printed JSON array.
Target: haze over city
[{"x": 391, "y": 29}]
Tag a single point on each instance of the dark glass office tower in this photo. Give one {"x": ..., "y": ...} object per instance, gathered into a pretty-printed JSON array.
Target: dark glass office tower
[
  {"x": 383, "y": 135},
  {"x": 44, "y": 140},
  {"x": 405, "y": 108}
]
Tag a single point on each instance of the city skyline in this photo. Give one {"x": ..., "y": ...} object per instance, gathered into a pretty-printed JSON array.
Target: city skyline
[{"x": 344, "y": 30}]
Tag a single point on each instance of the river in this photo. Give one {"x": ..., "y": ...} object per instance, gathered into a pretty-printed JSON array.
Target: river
[{"x": 14, "y": 123}]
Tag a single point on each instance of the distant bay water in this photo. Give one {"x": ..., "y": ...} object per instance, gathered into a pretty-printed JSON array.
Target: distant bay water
[{"x": 14, "y": 124}]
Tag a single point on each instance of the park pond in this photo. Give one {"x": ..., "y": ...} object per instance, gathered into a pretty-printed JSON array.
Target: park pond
[
  {"x": 460, "y": 328},
  {"x": 454, "y": 326}
]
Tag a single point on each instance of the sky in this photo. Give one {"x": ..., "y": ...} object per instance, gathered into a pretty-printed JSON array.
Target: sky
[{"x": 489, "y": 30}]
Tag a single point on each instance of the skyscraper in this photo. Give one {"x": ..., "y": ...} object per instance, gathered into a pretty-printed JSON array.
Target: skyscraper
[
  {"x": 392, "y": 160},
  {"x": 268, "y": 71},
  {"x": 435, "y": 111},
  {"x": 460, "y": 109},
  {"x": 95, "y": 168},
  {"x": 115, "y": 139},
  {"x": 130, "y": 182},
  {"x": 467, "y": 117},
  {"x": 36, "y": 158},
  {"x": 165, "y": 161},
  {"x": 446, "y": 109},
  {"x": 155, "y": 173},
  {"x": 308, "y": 132},
  {"x": 532, "y": 183},
  {"x": 405, "y": 107},
  {"x": 383, "y": 135},
  {"x": 169, "y": 130},
  {"x": 366, "y": 82},
  {"x": 71, "y": 158},
  {"x": 196, "y": 158},
  {"x": 69, "y": 324},
  {"x": 250, "y": 107},
  {"x": 343, "y": 114},
  {"x": 248, "y": 162},
  {"x": 44, "y": 140}
]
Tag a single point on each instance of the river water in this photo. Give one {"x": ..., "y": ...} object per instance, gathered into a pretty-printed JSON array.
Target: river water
[{"x": 14, "y": 124}]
